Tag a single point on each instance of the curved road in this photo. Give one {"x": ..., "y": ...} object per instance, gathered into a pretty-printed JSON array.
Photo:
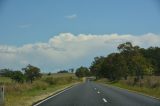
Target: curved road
[{"x": 93, "y": 94}]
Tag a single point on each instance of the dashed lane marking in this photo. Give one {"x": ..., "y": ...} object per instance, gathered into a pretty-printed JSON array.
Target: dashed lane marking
[{"x": 104, "y": 100}]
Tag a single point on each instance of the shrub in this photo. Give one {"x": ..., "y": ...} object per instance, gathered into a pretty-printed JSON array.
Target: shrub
[
  {"x": 40, "y": 85},
  {"x": 50, "y": 80},
  {"x": 147, "y": 81},
  {"x": 152, "y": 82},
  {"x": 18, "y": 76}
]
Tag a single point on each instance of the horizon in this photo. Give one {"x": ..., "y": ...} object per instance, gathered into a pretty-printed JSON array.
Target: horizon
[{"x": 57, "y": 35}]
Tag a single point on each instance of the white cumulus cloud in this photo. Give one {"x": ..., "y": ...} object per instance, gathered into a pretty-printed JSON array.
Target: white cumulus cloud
[
  {"x": 73, "y": 16},
  {"x": 67, "y": 50}
]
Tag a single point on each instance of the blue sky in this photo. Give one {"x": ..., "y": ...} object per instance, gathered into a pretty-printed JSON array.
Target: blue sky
[
  {"x": 29, "y": 21},
  {"x": 51, "y": 28}
]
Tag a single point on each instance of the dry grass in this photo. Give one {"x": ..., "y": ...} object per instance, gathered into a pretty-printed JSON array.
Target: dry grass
[
  {"x": 4, "y": 80},
  {"x": 27, "y": 98},
  {"x": 147, "y": 81},
  {"x": 60, "y": 75},
  {"x": 25, "y": 94},
  {"x": 149, "y": 85}
]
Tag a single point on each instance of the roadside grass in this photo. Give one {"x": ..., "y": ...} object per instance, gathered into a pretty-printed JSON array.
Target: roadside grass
[
  {"x": 60, "y": 75},
  {"x": 148, "y": 86},
  {"x": 27, "y": 98},
  {"x": 4, "y": 80},
  {"x": 17, "y": 94}
]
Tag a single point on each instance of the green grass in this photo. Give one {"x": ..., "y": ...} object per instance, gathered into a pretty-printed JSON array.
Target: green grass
[
  {"x": 59, "y": 75},
  {"x": 4, "y": 80},
  {"x": 26, "y": 94},
  {"x": 155, "y": 92},
  {"x": 62, "y": 75}
]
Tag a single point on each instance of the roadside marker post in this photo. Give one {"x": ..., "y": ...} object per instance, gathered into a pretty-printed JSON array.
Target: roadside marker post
[{"x": 1, "y": 95}]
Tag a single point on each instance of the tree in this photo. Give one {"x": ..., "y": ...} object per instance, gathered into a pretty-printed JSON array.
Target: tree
[
  {"x": 130, "y": 61},
  {"x": 114, "y": 67},
  {"x": 6, "y": 72},
  {"x": 136, "y": 62},
  {"x": 96, "y": 67},
  {"x": 82, "y": 72},
  {"x": 63, "y": 71},
  {"x": 31, "y": 72},
  {"x": 127, "y": 50},
  {"x": 49, "y": 74},
  {"x": 153, "y": 55},
  {"x": 18, "y": 76},
  {"x": 71, "y": 70},
  {"x": 141, "y": 66},
  {"x": 125, "y": 47}
]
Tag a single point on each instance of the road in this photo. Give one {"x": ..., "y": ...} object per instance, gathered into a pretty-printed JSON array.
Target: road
[{"x": 93, "y": 94}]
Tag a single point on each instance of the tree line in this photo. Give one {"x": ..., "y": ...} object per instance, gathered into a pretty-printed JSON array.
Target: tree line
[
  {"x": 82, "y": 72},
  {"x": 71, "y": 70},
  {"x": 128, "y": 61},
  {"x": 28, "y": 74}
]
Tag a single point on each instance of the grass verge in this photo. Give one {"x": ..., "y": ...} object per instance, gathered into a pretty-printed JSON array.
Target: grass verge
[
  {"x": 17, "y": 94},
  {"x": 154, "y": 92},
  {"x": 27, "y": 98}
]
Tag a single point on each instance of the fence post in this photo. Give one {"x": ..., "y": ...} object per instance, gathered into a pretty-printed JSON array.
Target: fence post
[{"x": 1, "y": 95}]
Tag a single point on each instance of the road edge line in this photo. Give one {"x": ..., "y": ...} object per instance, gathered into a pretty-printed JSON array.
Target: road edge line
[{"x": 54, "y": 94}]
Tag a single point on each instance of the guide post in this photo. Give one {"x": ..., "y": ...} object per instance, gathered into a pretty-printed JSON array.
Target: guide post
[{"x": 1, "y": 95}]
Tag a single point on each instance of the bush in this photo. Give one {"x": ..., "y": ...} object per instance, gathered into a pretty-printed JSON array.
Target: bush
[
  {"x": 50, "y": 80},
  {"x": 152, "y": 82},
  {"x": 59, "y": 80},
  {"x": 148, "y": 81},
  {"x": 40, "y": 85},
  {"x": 18, "y": 76},
  {"x": 32, "y": 72}
]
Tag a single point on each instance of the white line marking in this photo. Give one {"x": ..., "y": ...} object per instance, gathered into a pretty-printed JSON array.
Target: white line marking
[
  {"x": 54, "y": 95},
  {"x": 98, "y": 92},
  {"x": 104, "y": 100}
]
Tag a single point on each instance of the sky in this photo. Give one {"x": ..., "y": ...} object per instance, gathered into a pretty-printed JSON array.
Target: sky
[{"x": 63, "y": 34}]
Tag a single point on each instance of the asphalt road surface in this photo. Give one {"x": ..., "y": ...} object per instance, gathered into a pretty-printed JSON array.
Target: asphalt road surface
[{"x": 93, "y": 94}]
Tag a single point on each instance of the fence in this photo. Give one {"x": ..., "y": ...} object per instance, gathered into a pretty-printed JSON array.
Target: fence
[{"x": 1, "y": 95}]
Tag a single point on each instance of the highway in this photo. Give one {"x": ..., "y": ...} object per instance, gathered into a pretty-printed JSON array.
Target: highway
[{"x": 93, "y": 94}]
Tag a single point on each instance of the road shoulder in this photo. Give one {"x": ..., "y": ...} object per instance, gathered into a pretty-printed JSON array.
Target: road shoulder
[{"x": 129, "y": 90}]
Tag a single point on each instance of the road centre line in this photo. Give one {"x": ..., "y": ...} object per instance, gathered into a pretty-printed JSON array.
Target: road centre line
[{"x": 104, "y": 100}]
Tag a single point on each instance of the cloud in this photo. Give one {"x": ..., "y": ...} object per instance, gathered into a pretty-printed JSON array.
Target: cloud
[
  {"x": 25, "y": 26},
  {"x": 73, "y": 16},
  {"x": 67, "y": 50}
]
